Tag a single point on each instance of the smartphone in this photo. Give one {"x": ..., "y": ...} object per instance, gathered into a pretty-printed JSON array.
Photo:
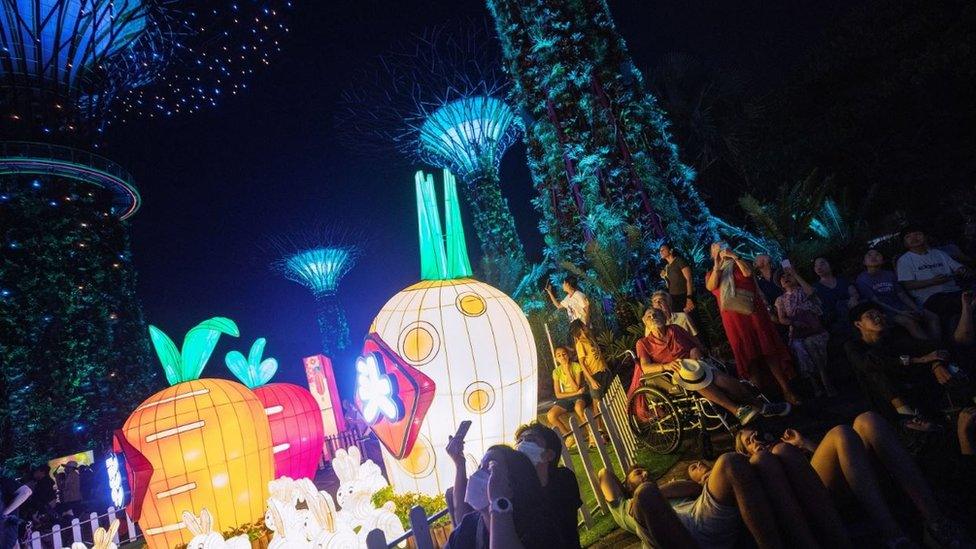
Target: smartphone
[
  {"x": 786, "y": 264},
  {"x": 462, "y": 430}
]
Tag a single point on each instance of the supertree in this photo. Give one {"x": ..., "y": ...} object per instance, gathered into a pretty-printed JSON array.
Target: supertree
[
  {"x": 318, "y": 260},
  {"x": 442, "y": 99},
  {"x": 73, "y": 354},
  {"x": 597, "y": 140}
]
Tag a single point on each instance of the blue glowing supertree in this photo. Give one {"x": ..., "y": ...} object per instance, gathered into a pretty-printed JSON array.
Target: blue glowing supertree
[
  {"x": 441, "y": 99},
  {"x": 318, "y": 260},
  {"x": 73, "y": 353}
]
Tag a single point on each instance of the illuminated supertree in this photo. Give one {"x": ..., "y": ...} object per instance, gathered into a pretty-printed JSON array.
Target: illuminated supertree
[
  {"x": 73, "y": 356},
  {"x": 442, "y": 100},
  {"x": 318, "y": 261}
]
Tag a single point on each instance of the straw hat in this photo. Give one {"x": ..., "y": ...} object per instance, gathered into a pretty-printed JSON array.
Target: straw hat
[{"x": 692, "y": 375}]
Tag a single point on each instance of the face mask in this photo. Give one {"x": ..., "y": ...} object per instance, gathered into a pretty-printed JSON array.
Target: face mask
[
  {"x": 532, "y": 451},
  {"x": 476, "y": 495}
]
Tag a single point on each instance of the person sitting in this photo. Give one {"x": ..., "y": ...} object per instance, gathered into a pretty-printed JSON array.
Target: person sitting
[
  {"x": 662, "y": 300},
  {"x": 706, "y": 512},
  {"x": 844, "y": 459},
  {"x": 570, "y": 390},
  {"x": 808, "y": 337},
  {"x": 836, "y": 295},
  {"x": 880, "y": 286},
  {"x": 929, "y": 275},
  {"x": 898, "y": 372},
  {"x": 504, "y": 504},
  {"x": 668, "y": 348},
  {"x": 543, "y": 447},
  {"x": 576, "y": 304}
]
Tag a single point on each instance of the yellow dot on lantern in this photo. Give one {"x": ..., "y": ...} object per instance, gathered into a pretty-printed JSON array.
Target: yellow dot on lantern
[
  {"x": 479, "y": 397},
  {"x": 471, "y": 304},
  {"x": 420, "y": 461},
  {"x": 418, "y": 344}
]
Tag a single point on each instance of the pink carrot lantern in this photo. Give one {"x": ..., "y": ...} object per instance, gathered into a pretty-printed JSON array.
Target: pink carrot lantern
[{"x": 296, "y": 422}]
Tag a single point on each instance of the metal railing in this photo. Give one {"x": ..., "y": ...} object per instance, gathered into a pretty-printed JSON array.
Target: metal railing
[{"x": 32, "y": 150}]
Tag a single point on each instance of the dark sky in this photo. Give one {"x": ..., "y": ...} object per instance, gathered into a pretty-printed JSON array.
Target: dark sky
[{"x": 217, "y": 184}]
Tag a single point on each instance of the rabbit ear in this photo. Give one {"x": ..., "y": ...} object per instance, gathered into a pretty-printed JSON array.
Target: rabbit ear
[
  {"x": 191, "y": 523},
  {"x": 113, "y": 528},
  {"x": 100, "y": 538},
  {"x": 206, "y": 521},
  {"x": 277, "y": 518},
  {"x": 354, "y": 456}
]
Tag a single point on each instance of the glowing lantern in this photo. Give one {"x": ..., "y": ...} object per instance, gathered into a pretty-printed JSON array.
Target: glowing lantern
[
  {"x": 322, "y": 385},
  {"x": 201, "y": 443},
  {"x": 469, "y": 338},
  {"x": 293, "y": 413}
]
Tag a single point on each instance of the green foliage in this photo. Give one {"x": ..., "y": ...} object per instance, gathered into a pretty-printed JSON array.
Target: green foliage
[
  {"x": 252, "y": 371},
  {"x": 198, "y": 345},
  {"x": 74, "y": 356},
  {"x": 253, "y": 530},
  {"x": 406, "y": 501}
]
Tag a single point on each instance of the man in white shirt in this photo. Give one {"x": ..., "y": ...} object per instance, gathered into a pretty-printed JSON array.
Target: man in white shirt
[
  {"x": 576, "y": 304},
  {"x": 929, "y": 274}
]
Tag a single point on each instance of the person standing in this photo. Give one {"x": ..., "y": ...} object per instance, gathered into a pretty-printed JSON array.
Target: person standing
[
  {"x": 12, "y": 495},
  {"x": 69, "y": 486},
  {"x": 679, "y": 278},
  {"x": 767, "y": 278},
  {"x": 576, "y": 304},
  {"x": 798, "y": 309},
  {"x": 755, "y": 344}
]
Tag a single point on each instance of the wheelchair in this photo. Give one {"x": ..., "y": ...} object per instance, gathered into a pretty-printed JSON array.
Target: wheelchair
[{"x": 661, "y": 413}]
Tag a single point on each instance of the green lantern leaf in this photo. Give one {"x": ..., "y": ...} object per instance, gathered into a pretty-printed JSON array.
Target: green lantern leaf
[
  {"x": 257, "y": 349},
  {"x": 199, "y": 344},
  {"x": 267, "y": 370},
  {"x": 238, "y": 365},
  {"x": 168, "y": 354}
]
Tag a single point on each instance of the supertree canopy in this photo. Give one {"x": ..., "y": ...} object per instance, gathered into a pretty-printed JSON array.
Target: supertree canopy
[
  {"x": 596, "y": 139},
  {"x": 442, "y": 99},
  {"x": 318, "y": 261},
  {"x": 73, "y": 353}
]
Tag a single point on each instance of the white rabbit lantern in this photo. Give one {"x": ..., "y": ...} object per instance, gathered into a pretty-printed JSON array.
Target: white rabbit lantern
[{"x": 204, "y": 536}]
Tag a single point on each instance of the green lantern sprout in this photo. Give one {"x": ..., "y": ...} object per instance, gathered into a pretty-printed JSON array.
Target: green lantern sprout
[
  {"x": 198, "y": 344},
  {"x": 252, "y": 371}
]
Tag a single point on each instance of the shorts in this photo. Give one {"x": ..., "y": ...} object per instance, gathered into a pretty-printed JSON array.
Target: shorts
[
  {"x": 604, "y": 378},
  {"x": 709, "y": 522},
  {"x": 569, "y": 403},
  {"x": 620, "y": 511}
]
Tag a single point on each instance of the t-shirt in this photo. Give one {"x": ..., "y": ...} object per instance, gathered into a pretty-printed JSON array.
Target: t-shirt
[
  {"x": 562, "y": 491},
  {"x": 682, "y": 320},
  {"x": 881, "y": 286},
  {"x": 471, "y": 533},
  {"x": 913, "y": 266},
  {"x": 677, "y": 284},
  {"x": 590, "y": 356},
  {"x": 834, "y": 300},
  {"x": 674, "y": 344},
  {"x": 562, "y": 380},
  {"x": 575, "y": 304},
  {"x": 769, "y": 288}
]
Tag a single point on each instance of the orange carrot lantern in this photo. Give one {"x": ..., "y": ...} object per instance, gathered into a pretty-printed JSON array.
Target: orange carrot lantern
[
  {"x": 201, "y": 443},
  {"x": 293, "y": 413}
]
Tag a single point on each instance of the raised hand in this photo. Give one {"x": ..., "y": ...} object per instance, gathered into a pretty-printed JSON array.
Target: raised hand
[
  {"x": 455, "y": 450},
  {"x": 499, "y": 485}
]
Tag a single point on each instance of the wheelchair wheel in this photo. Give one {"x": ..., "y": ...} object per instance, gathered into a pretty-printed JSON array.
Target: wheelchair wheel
[{"x": 655, "y": 420}]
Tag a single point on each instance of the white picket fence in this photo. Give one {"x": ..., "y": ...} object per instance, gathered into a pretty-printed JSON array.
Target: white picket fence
[{"x": 84, "y": 531}]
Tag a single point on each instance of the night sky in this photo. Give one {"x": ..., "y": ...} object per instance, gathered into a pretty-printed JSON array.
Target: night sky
[{"x": 217, "y": 184}]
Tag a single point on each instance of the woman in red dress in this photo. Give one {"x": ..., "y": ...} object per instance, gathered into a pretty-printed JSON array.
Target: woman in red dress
[{"x": 755, "y": 343}]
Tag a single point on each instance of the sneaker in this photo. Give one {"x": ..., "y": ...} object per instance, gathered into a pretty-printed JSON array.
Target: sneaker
[
  {"x": 745, "y": 414},
  {"x": 945, "y": 533},
  {"x": 772, "y": 409}
]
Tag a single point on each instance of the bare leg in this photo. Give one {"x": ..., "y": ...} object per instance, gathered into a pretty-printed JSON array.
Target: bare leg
[
  {"x": 717, "y": 396},
  {"x": 557, "y": 418},
  {"x": 817, "y": 349},
  {"x": 934, "y": 323},
  {"x": 778, "y": 369},
  {"x": 966, "y": 430},
  {"x": 789, "y": 513},
  {"x": 734, "y": 388},
  {"x": 734, "y": 482},
  {"x": 880, "y": 440},
  {"x": 812, "y": 495},
  {"x": 841, "y": 460}
]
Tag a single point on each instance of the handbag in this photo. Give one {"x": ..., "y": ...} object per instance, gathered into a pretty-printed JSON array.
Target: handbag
[{"x": 742, "y": 301}]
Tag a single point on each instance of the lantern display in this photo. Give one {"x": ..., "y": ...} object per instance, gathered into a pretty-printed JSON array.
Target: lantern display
[
  {"x": 469, "y": 339},
  {"x": 293, "y": 414},
  {"x": 322, "y": 385},
  {"x": 198, "y": 444}
]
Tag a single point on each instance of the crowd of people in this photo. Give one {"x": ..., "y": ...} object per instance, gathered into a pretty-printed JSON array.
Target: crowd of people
[{"x": 903, "y": 330}]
